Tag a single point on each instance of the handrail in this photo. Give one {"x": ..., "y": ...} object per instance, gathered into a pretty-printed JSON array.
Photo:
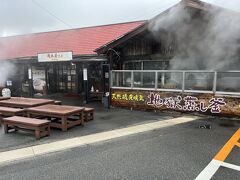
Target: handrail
[{"x": 182, "y": 81}]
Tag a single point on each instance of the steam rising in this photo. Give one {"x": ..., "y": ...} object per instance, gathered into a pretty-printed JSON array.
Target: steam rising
[
  {"x": 203, "y": 40},
  {"x": 6, "y": 70}
]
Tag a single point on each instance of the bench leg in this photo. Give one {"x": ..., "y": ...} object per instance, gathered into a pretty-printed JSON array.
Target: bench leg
[
  {"x": 82, "y": 118},
  {"x": 48, "y": 130},
  {"x": 88, "y": 116},
  {"x": 37, "y": 133},
  {"x": 5, "y": 128},
  {"x": 64, "y": 123},
  {"x": 91, "y": 115}
]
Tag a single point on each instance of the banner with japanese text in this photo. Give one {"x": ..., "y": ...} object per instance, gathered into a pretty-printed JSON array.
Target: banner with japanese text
[{"x": 188, "y": 102}]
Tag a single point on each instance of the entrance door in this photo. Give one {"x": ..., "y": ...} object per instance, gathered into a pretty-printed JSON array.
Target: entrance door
[
  {"x": 66, "y": 78},
  {"x": 62, "y": 78},
  {"x": 51, "y": 79}
]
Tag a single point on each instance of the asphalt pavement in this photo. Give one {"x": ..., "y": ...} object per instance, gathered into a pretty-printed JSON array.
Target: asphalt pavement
[
  {"x": 177, "y": 152},
  {"x": 104, "y": 120}
]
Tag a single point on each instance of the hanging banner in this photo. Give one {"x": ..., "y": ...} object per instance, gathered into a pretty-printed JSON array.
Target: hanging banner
[{"x": 55, "y": 57}]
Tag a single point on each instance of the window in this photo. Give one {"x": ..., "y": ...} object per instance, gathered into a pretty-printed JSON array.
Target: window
[
  {"x": 202, "y": 81},
  {"x": 228, "y": 81},
  {"x": 133, "y": 66},
  {"x": 155, "y": 65}
]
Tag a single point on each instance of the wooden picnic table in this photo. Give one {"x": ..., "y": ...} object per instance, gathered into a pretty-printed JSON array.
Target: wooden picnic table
[
  {"x": 60, "y": 116},
  {"x": 20, "y": 102}
]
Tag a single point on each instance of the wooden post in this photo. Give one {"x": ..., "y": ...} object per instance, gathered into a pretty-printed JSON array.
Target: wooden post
[{"x": 64, "y": 123}]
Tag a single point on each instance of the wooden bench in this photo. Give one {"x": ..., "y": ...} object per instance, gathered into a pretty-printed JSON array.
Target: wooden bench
[
  {"x": 58, "y": 102},
  {"x": 88, "y": 114},
  {"x": 8, "y": 111},
  {"x": 41, "y": 127}
]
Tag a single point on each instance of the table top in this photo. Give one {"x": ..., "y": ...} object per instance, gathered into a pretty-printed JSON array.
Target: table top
[
  {"x": 55, "y": 109},
  {"x": 24, "y": 102},
  {"x": 27, "y": 121},
  {"x": 9, "y": 109}
]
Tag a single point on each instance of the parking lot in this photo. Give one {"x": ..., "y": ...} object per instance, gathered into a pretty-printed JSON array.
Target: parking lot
[{"x": 176, "y": 152}]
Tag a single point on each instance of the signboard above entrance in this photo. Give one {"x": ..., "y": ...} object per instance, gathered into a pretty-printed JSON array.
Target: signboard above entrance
[{"x": 55, "y": 57}]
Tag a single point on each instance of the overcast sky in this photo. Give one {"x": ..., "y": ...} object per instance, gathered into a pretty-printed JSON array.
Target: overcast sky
[{"x": 30, "y": 16}]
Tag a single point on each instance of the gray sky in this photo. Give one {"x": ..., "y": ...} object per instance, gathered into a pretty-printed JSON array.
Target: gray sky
[{"x": 30, "y": 16}]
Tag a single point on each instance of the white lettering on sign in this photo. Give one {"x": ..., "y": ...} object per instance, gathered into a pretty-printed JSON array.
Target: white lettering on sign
[
  {"x": 188, "y": 103},
  {"x": 58, "y": 56}
]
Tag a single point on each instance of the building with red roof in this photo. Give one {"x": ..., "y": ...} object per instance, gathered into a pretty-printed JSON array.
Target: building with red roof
[
  {"x": 81, "y": 41},
  {"x": 59, "y": 61}
]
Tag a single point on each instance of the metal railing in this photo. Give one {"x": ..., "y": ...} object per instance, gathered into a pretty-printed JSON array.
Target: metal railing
[{"x": 199, "y": 81}]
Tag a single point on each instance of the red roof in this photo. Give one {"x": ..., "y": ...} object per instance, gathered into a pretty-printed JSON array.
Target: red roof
[{"x": 82, "y": 41}]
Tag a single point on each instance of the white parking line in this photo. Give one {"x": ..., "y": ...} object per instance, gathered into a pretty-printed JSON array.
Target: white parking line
[
  {"x": 228, "y": 165},
  {"x": 212, "y": 168},
  {"x": 219, "y": 159},
  {"x": 209, "y": 171},
  {"x": 89, "y": 139}
]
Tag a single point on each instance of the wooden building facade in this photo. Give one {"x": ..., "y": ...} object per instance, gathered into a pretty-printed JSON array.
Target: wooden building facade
[
  {"x": 147, "y": 72},
  {"x": 80, "y": 74}
]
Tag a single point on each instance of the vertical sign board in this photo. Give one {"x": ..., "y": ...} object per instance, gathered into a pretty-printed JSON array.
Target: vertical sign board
[
  {"x": 29, "y": 73},
  {"x": 85, "y": 78}
]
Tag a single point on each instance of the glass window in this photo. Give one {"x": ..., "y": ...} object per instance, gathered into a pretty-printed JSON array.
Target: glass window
[
  {"x": 199, "y": 81},
  {"x": 73, "y": 78},
  {"x": 144, "y": 79},
  {"x": 155, "y": 65},
  {"x": 170, "y": 80},
  {"x": 121, "y": 79},
  {"x": 133, "y": 66},
  {"x": 228, "y": 81}
]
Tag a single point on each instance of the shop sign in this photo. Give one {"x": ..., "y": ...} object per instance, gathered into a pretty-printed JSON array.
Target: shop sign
[
  {"x": 188, "y": 103},
  {"x": 182, "y": 103},
  {"x": 57, "y": 56},
  {"x": 128, "y": 97}
]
